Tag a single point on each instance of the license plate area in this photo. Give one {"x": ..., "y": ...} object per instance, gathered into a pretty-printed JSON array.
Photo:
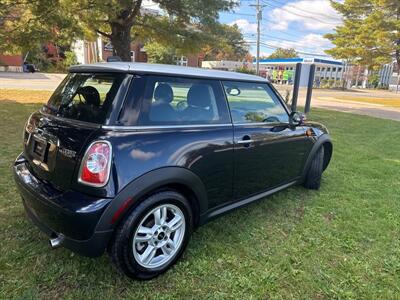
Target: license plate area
[{"x": 40, "y": 149}]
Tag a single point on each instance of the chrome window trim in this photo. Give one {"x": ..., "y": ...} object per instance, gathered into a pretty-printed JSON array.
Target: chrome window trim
[
  {"x": 187, "y": 126},
  {"x": 261, "y": 124}
]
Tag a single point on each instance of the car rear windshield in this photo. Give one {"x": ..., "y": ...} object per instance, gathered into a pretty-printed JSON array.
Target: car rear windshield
[{"x": 85, "y": 97}]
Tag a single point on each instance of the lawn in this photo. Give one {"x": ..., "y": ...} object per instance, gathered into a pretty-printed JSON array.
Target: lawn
[{"x": 342, "y": 241}]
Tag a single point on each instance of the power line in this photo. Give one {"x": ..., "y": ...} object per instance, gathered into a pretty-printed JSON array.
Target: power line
[
  {"x": 303, "y": 10},
  {"x": 295, "y": 43},
  {"x": 276, "y": 38},
  {"x": 300, "y": 15},
  {"x": 239, "y": 14},
  {"x": 266, "y": 45}
]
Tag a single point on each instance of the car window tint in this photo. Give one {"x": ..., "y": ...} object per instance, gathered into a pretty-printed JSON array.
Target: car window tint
[
  {"x": 176, "y": 101},
  {"x": 85, "y": 97},
  {"x": 253, "y": 103}
]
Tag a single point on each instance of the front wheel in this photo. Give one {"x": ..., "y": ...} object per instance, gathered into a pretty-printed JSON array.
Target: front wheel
[{"x": 153, "y": 236}]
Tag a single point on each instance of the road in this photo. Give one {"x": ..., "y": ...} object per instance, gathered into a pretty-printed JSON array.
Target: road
[
  {"x": 30, "y": 81},
  {"x": 328, "y": 99}
]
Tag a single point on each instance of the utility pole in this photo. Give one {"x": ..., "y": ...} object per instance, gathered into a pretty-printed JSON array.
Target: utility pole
[{"x": 259, "y": 17}]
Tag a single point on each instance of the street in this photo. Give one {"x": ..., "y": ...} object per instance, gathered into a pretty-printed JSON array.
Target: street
[{"x": 344, "y": 101}]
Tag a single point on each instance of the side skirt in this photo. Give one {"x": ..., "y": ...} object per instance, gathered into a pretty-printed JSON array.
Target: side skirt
[{"x": 231, "y": 206}]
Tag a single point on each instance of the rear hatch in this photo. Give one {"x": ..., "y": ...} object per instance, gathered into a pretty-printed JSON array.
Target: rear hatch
[{"x": 55, "y": 138}]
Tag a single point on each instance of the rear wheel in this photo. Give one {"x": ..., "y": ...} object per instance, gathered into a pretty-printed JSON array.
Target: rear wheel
[
  {"x": 314, "y": 173},
  {"x": 153, "y": 236}
]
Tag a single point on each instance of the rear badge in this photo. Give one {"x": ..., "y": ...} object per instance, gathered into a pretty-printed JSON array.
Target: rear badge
[{"x": 67, "y": 152}]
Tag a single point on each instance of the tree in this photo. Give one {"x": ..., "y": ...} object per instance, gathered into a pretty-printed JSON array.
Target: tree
[
  {"x": 26, "y": 25},
  {"x": 119, "y": 20},
  {"x": 216, "y": 41},
  {"x": 159, "y": 53},
  {"x": 225, "y": 42},
  {"x": 283, "y": 53},
  {"x": 370, "y": 33}
]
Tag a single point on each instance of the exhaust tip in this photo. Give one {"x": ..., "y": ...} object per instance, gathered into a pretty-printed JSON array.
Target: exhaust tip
[{"x": 57, "y": 241}]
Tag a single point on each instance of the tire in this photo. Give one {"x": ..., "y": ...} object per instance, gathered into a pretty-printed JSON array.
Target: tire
[
  {"x": 313, "y": 177},
  {"x": 163, "y": 245}
]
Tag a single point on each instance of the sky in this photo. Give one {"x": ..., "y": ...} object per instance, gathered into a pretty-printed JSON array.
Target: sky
[{"x": 298, "y": 24}]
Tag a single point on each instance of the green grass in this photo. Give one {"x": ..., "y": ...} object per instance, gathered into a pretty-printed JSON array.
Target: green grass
[{"x": 341, "y": 242}]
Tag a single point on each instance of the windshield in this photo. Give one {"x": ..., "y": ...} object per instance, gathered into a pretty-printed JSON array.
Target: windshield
[{"x": 85, "y": 97}]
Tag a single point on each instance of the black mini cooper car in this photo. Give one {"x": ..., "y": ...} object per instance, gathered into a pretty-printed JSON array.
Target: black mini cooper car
[{"x": 132, "y": 157}]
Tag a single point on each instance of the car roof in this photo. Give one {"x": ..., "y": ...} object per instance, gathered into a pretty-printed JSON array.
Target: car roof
[{"x": 160, "y": 69}]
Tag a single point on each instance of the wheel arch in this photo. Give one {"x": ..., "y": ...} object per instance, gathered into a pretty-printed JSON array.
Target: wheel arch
[
  {"x": 323, "y": 141},
  {"x": 168, "y": 178}
]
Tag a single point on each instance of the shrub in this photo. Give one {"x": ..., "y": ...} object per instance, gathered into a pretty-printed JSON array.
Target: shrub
[{"x": 245, "y": 70}]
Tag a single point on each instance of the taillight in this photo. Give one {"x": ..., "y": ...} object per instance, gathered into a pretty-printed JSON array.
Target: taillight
[{"x": 96, "y": 164}]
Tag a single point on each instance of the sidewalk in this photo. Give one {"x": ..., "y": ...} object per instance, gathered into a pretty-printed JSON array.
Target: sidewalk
[
  {"x": 369, "y": 109},
  {"x": 331, "y": 99}
]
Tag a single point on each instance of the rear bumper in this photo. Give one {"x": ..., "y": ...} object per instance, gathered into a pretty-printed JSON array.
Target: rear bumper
[{"x": 69, "y": 214}]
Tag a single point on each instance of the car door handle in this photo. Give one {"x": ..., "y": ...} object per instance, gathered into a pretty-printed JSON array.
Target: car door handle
[{"x": 246, "y": 140}]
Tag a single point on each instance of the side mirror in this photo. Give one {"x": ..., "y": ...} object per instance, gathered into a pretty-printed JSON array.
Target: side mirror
[{"x": 296, "y": 118}]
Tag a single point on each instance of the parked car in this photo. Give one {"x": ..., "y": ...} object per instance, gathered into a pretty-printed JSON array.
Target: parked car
[
  {"x": 132, "y": 157},
  {"x": 28, "y": 68}
]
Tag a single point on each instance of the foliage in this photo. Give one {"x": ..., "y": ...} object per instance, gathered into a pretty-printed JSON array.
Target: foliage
[
  {"x": 45, "y": 63},
  {"x": 70, "y": 59},
  {"x": 340, "y": 242},
  {"x": 38, "y": 57},
  {"x": 370, "y": 34},
  {"x": 373, "y": 80},
  {"x": 119, "y": 21},
  {"x": 158, "y": 53},
  {"x": 284, "y": 53},
  {"x": 216, "y": 41},
  {"x": 246, "y": 70},
  {"x": 225, "y": 42},
  {"x": 26, "y": 25}
]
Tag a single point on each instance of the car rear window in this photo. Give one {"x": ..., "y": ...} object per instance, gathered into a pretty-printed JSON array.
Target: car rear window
[{"x": 85, "y": 97}]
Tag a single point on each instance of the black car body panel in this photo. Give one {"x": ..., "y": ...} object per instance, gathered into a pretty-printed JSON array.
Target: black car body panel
[{"x": 217, "y": 166}]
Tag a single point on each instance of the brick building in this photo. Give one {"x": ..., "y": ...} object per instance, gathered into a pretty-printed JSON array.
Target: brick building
[{"x": 11, "y": 63}]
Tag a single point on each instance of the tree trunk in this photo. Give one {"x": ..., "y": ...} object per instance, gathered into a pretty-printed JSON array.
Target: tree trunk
[
  {"x": 397, "y": 53},
  {"x": 121, "y": 40},
  {"x": 398, "y": 66},
  {"x": 358, "y": 76}
]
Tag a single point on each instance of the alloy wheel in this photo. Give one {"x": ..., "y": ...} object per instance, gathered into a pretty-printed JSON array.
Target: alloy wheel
[{"x": 159, "y": 236}]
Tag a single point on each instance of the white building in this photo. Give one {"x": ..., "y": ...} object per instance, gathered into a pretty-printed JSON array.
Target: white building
[
  {"x": 282, "y": 70},
  {"x": 226, "y": 65}
]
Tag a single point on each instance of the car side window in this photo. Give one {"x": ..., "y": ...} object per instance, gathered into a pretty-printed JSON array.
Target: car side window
[
  {"x": 179, "y": 101},
  {"x": 254, "y": 103}
]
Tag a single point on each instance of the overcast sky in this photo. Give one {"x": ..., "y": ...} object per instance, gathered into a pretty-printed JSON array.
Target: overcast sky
[{"x": 295, "y": 24}]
